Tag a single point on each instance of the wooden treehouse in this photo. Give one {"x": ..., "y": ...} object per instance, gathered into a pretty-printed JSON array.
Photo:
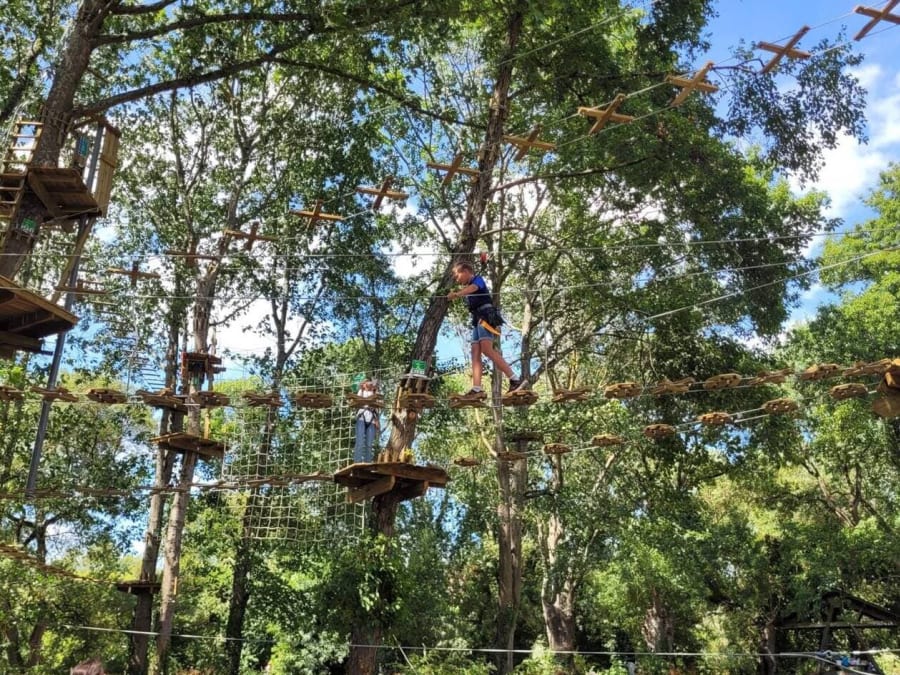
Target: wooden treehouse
[
  {"x": 26, "y": 319},
  {"x": 80, "y": 187}
]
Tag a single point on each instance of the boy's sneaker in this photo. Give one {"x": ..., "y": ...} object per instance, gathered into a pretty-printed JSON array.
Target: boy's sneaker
[
  {"x": 516, "y": 385},
  {"x": 474, "y": 391}
]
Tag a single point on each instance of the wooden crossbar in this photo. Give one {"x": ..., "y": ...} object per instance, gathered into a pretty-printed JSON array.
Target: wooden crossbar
[
  {"x": 603, "y": 115},
  {"x": 134, "y": 273},
  {"x": 82, "y": 288},
  {"x": 381, "y": 193},
  {"x": 526, "y": 143},
  {"x": 251, "y": 237},
  {"x": 784, "y": 50},
  {"x": 876, "y": 16},
  {"x": 454, "y": 168},
  {"x": 689, "y": 85},
  {"x": 316, "y": 214}
]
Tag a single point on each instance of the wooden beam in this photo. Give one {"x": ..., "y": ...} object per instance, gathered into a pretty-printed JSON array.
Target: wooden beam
[
  {"x": 382, "y": 192},
  {"x": 782, "y": 51},
  {"x": 526, "y": 143},
  {"x": 689, "y": 85},
  {"x": 38, "y": 188},
  {"x": 316, "y": 214},
  {"x": 876, "y": 15},
  {"x": 6, "y": 295},
  {"x": 604, "y": 115},
  {"x": 27, "y": 320},
  {"x": 19, "y": 341},
  {"x": 453, "y": 168},
  {"x": 373, "y": 489}
]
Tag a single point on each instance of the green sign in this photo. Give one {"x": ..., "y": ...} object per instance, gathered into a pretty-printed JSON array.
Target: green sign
[
  {"x": 28, "y": 225},
  {"x": 418, "y": 368},
  {"x": 357, "y": 380}
]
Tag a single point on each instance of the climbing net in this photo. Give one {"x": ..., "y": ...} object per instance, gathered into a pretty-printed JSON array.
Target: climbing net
[{"x": 286, "y": 456}]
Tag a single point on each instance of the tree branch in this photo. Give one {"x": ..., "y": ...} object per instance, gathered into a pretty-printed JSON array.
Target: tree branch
[
  {"x": 134, "y": 10},
  {"x": 568, "y": 174}
]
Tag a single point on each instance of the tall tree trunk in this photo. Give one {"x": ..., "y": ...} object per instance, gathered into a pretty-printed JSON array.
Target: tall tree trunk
[
  {"x": 658, "y": 628},
  {"x": 142, "y": 622},
  {"x": 366, "y": 634},
  {"x": 558, "y": 584},
  {"x": 192, "y": 383},
  {"x": 512, "y": 478}
]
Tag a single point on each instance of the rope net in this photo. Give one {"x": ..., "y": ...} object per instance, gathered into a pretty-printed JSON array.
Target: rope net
[{"x": 287, "y": 455}]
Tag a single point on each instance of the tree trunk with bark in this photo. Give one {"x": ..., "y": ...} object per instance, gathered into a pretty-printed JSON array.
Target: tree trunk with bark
[
  {"x": 366, "y": 633},
  {"x": 142, "y": 623},
  {"x": 558, "y": 584}
]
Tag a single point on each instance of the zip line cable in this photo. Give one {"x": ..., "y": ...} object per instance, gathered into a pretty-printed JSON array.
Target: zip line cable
[{"x": 571, "y": 287}]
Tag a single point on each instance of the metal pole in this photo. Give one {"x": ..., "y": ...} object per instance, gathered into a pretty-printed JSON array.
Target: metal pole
[{"x": 84, "y": 222}]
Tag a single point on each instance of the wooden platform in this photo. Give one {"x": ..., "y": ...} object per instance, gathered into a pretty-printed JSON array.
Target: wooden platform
[
  {"x": 162, "y": 399},
  {"x": 62, "y": 191},
  {"x": 522, "y": 397},
  {"x": 407, "y": 481},
  {"x": 138, "y": 587},
  {"x": 184, "y": 442},
  {"x": 26, "y": 318}
]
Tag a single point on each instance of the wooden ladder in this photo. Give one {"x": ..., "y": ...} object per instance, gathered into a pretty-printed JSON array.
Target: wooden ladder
[{"x": 19, "y": 152}]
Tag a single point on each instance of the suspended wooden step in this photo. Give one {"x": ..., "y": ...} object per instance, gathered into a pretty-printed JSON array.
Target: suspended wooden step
[
  {"x": 201, "y": 363},
  {"x": 524, "y": 436},
  {"x": 466, "y": 462},
  {"x": 666, "y": 386},
  {"x": 316, "y": 214},
  {"x": 511, "y": 456},
  {"x": 250, "y": 237},
  {"x": 849, "y": 390},
  {"x": 413, "y": 401},
  {"x": 820, "y": 371},
  {"x": 659, "y": 431},
  {"x": 771, "y": 377},
  {"x": 163, "y": 398},
  {"x": 475, "y": 400},
  {"x": 181, "y": 441},
  {"x": 401, "y": 479},
  {"x": 313, "y": 399},
  {"x": 355, "y": 401},
  {"x": 383, "y": 192},
  {"x": 780, "y": 406},
  {"x": 209, "y": 399},
  {"x": 190, "y": 256},
  {"x": 862, "y": 368},
  {"x": 528, "y": 143},
  {"x": 566, "y": 395},
  {"x": 107, "y": 396},
  {"x": 891, "y": 379},
  {"x": 83, "y": 287},
  {"x": 133, "y": 274},
  {"x": 256, "y": 399},
  {"x": 11, "y": 393},
  {"x": 605, "y": 115},
  {"x": 781, "y": 51},
  {"x": 26, "y": 319},
  {"x": 715, "y": 419},
  {"x": 138, "y": 587},
  {"x": 887, "y": 405},
  {"x": 557, "y": 449},
  {"x": 606, "y": 440},
  {"x": 454, "y": 168},
  {"x": 697, "y": 82},
  {"x": 722, "y": 381},
  {"x": 623, "y": 390},
  {"x": 521, "y": 397},
  {"x": 53, "y": 394},
  {"x": 876, "y": 16}
]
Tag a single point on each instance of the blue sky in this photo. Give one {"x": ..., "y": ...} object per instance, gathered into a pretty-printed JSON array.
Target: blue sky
[{"x": 851, "y": 170}]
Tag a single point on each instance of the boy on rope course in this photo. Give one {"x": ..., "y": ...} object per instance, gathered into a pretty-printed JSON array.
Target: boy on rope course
[{"x": 486, "y": 322}]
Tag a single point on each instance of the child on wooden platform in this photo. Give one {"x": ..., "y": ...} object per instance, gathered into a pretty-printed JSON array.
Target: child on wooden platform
[{"x": 367, "y": 423}]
